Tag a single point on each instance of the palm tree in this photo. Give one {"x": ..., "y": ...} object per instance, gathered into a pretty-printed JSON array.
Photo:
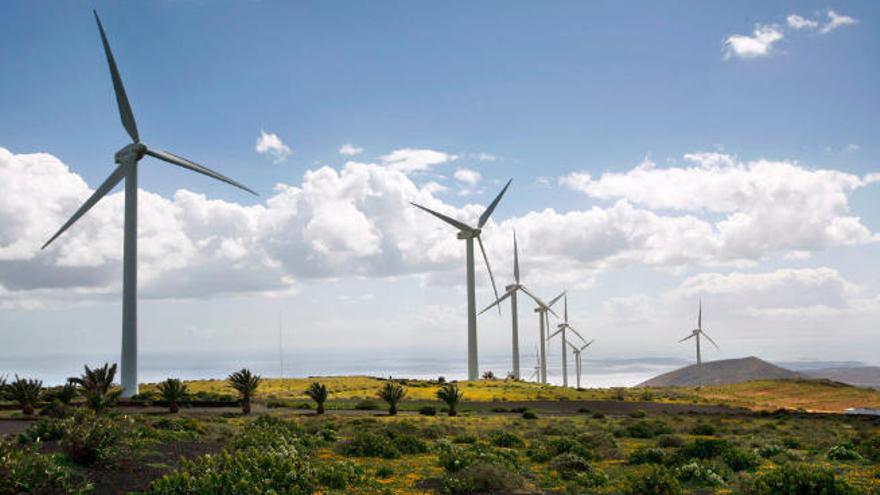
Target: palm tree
[
  {"x": 26, "y": 392},
  {"x": 174, "y": 391},
  {"x": 318, "y": 393},
  {"x": 246, "y": 384},
  {"x": 451, "y": 395},
  {"x": 96, "y": 385},
  {"x": 392, "y": 393},
  {"x": 2, "y": 387}
]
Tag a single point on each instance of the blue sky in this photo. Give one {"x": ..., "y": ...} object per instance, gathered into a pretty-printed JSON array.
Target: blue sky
[{"x": 548, "y": 90}]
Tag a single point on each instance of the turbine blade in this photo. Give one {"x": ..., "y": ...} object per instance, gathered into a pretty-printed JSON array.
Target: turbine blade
[
  {"x": 710, "y": 340},
  {"x": 534, "y": 297},
  {"x": 554, "y": 313},
  {"x": 195, "y": 167},
  {"x": 489, "y": 268},
  {"x": 700, "y": 315},
  {"x": 566, "y": 308},
  {"x": 588, "y": 344},
  {"x": 515, "y": 260},
  {"x": 125, "y": 112},
  {"x": 497, "y": 301},
  {"x": 105, "y": 187},
  {"x": 573, "y": 347},
  {"x": 575, "y": 332},
  {"x": 486, "y": 214},
  {"x": 451, "y": 221},
  {"x": 553, "y": 301},
  {"x": 553, "y": 334},
  {"x": 688, "y": 337}
]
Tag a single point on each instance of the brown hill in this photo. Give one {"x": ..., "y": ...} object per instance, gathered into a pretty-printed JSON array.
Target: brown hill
[
  {"x": 860, "y": 376},
  {"x": 722, "y": 372}
]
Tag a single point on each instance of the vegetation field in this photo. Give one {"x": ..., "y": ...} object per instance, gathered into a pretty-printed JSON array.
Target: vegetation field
[{"x": 808, "y": 395}]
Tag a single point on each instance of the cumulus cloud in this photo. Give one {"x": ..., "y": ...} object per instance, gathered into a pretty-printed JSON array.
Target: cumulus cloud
[
  {"x": 795, "y": 21},
  {"x": 485, "y": 157},
  {"x": 467, "y": 176},
  {"x": 409, "y": 160},
  {"x": 759, "y": 44},
  {"x": 356, "y": 221},
  {"x": 270, "y": 144},
  {"x": 835, "y": 21},
  {"x": 349, "y": 149}
]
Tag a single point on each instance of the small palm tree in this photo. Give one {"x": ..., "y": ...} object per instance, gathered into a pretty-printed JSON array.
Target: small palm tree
[
  {"x": 96, "y": 385},
  {"x": 246, "y": 384},
  {"x": 2, "y": 387},
  {"x": 392, "y": 393},
  {"x": 318, "y": 393},
  {"x": 26, "y": 392},
  {"x": 174, "y": 392},
  {"x": 66, "y": 393},
  {"x": 451, "y": 395}
]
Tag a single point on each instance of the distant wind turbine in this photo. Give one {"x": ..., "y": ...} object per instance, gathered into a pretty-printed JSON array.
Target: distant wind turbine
[
  {"x": 127, "y": 160},
  {"x": 469, "y": 233},
  {"x": 578, "y": 364},
  {"x": 544, "y": 327},
  {"x": 696, "y": 334},
  {"x": 562, "y": 327},
  {"x": 510, "y": 292},
  {"x": 536, "y": 370}
]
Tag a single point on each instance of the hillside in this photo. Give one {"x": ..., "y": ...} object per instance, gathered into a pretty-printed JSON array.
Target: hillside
[
  {"x": 722, "y": 372},
  {"x": 862, "y": 376},
  {"x": 799, "y": 393}
]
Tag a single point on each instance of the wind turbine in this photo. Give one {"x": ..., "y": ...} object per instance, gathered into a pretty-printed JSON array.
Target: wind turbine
[
  {"x": 536, "y": 370},
  {"x": 469, "y": 233},
  {"x": 543, "y": 327},
  {"x": 696, "y": 334},
  {"x": 127, "y": 160},
  {"x": 577, "y": 359},
  {"x": 510, "y": 292},
  {"x": 562, "y": 327}
]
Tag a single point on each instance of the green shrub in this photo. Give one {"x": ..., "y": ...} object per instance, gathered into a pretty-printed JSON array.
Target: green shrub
[
  {"x": 648, "y": 455},
  {"x": 655, "y": 480},
  {"x": 645, "y": 429},
  {"x": 638, "y": 414},
  {"x": 409, "y": 444},
  {"x": 740, "y": 459},
  {"x": 179, "y": 424},
  {"x": 366, "y": 405},
  {"x": 252, "y": 471},
  {"x": 89, "y": 438},
  {"x": 842, "y": 453},
  {"x": 269, "y": 432},
  {"x": 669, "y": 441},
  {"x": 44, "y": 430},
  {"x": 482, "y": 478},
  {"x": 339, "y": 475},
  {"x": 369, "y": 444},
  {"x": 598, "y": 415},
  {"x": 384, "y": 472},
  {"x": 870, "y": 448},
  {"x": 455, "y": 458},
  {"x": 703, "y": 429},
  {"x": 569, "y": 465},
  {"x": 25, "y": 470},
  {"x": 428, "y": 411},
  {"x": 771, "y": 450},
  {"x": 799, "y": 479},
  {"x": 465, "y": 438},
  {"x": 57, "y": 410},
  {"x": 529, "y": 415},
  {"x": 704, "y": 448},
  {"x": 697, "y": 473},
  {"x": 504, "y": 438}
]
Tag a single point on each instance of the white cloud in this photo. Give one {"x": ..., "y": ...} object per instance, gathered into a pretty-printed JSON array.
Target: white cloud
[
  {"x": 835, "y": 21},
  {"x": 797, "y": 22},
  {"x": 356, "y": 221},
  {"x": 270, "y": 144},
  {"x": 349, "y": 149},
  {"x": 409, "y": 160},
  {"x": 851, "y": 148},
  {"x": 467, "y": 176},
  {"x": 486, "y": 157},
  {"x": 759, "y": 44}
]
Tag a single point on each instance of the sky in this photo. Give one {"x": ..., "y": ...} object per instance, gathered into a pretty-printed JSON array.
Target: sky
[{"x": 660, "y": 154}]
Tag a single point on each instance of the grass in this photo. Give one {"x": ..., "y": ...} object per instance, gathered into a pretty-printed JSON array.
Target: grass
[{"x": 809, "y": 395}]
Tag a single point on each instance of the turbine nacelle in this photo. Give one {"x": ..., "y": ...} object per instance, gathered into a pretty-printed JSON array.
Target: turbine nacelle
[
  {"x": 130, "y": 153},
  {"x": 469, "y": 234}
]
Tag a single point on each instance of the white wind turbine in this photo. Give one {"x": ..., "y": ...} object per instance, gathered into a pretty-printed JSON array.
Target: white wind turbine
[
  {"x": 543, "y": 327},
  {"x": 696, "y": 334},
  {"x": 578, "y": 364},
  {"x": 536, "y": 369},
  {"x": 127, "y": 160},
  {"x": 469, "y": 233},
  {"x": 510, "y": 292},
  {"x": 562, "y": 327}
]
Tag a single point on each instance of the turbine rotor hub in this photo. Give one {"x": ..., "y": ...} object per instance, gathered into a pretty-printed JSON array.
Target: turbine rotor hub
[
  {"x": 469, "y": 234},
  {"x": 131, "y": 152}
]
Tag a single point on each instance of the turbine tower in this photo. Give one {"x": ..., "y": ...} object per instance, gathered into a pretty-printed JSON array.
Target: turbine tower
[
  {"x": 510, "y": 292},
  {"x": 543, "y": 327},
  {"x": 468, "y": 233},
  {"x": 127, "y": 160},
  {"x": 577, "y": 359},
  {"x": 536, "y": 369},
  {"x": 562, "y": 327},
  {"x": 696, "y": 334}
]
